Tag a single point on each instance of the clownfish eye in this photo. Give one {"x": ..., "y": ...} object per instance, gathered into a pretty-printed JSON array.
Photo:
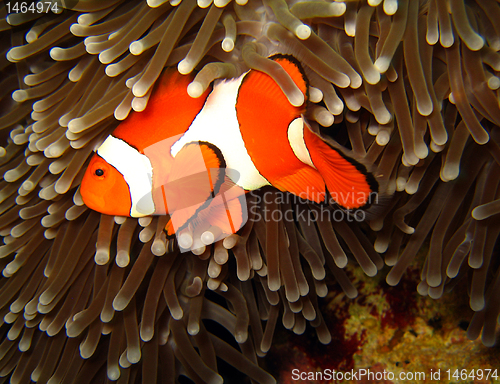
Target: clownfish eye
[{"x": 99, "y": 172}]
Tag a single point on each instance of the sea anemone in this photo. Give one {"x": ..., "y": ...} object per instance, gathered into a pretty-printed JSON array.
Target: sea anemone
[{"x": 410, "y": 87}]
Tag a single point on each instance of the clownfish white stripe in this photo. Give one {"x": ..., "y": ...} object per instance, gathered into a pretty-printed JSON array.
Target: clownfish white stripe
[
  {"x": 136, "y": 170},
  {"x": 218, "y": 124},
  {"x": 297, "y": 143}
]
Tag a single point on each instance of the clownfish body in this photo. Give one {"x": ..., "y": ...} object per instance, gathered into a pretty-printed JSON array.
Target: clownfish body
[{"x": 187, "y": 157}]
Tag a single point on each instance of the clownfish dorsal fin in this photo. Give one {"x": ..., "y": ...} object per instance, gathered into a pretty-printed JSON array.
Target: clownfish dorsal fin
[
  {"x": 349, "y": 183},
  {"x": 259, "y": 90},
  {"x": 294, "y": 69},
  {"x": 196, "y": 176},
  {"x": 170, "y": 112}
]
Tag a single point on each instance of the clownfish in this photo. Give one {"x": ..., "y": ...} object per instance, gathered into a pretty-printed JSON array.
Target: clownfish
[{"x": 189, "y": 157}]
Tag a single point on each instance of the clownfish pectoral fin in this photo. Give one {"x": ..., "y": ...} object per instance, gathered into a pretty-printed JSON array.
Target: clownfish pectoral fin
[
  {"x": 224, "y": 215},
  {"x": 260, "y": 94},
  {"x": 199, "y": 159},
  {"x": 181, "y": 216},
  {"x": 227, "y": 210},
  {"x": 196, "y": 176},
  {"x": 307, "y": 184},
  {"x": 232, "y": 214},
  {"x": 349, "y": 184}
]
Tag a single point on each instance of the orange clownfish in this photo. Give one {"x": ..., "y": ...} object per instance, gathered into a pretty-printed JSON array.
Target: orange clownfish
[{"x": 181, "y": 153}]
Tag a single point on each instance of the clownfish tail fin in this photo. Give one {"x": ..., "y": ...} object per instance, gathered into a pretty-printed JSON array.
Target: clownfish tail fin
[{"x": 348, "y": 182}]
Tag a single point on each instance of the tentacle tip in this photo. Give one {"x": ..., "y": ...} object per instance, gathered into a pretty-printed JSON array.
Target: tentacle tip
[
  {"x": 421, "y": 151},
  {"x": 392, "y": 280},
  {"x": 409, "y": 230},
  {"x": 356, "y": 81},
  {"x": 55, "y": 53},
  {"x": 185, "y": 240},
  {"x": 193, "y": 329},
  {"x": 199, "y": 251},
  {"x": 230, "y": 241},
  {"x": 450, "y": 172},
  {"x": 136, "y": 48},
  {"x": 303, "y": 32},
  {"x": 227, "y": 45},
  {"x": 475, "y": 43},
  {"x": 155, "y": 3},
  {"x": 158, "y": 248},
  {"x": 434, "y": 281},
  {"x": 477, "y": 304},
  {"x": 113, "y": 373},
  {"x": 390, "y": 7},
  {"x": 383, "y": 117},
  {"x": 220, "y": 3},
  {"x": 432, "y": 39},
  {"x": 410, "y": 159},
  {"x": 337, "y": 8},
  {"x": 139, "y": 104},
  {"x": 479, "y": 213},
  {"x": 382, "y": 64},
  {"x": 101, "y": 257},
  {"x": 119, "y": 304},
  {"x": 195, "y": 89},
  {"x": 20, "y": 95},
  {"x": 493, "y": 83},
  {"x": 371, "y": 271},
  {"x": 383, "y": 138},
  {"x": 447, "y": 41},
  {"x": 139, "y": 90},
  {"x": 11, "y": 55},
  {"x": 380, "y": 247},
  {"x": 241, "y": 337},
  {"x": 372, "y": 77},
  {"x": 296, "y": 99},
  {"x": 177, "y": 313},
  {"x": 204, "y": 3},
  {"x": 482, "y": 138},
  {"x": 436, "y": 148},
  {"x": 185, "y": 67},
  {"x": 106, "y": 57},
  {"x": 134, "y": 356},
  {"x": 425, "y": 109},
  {"x": 411, "y": 189},
  {"x": 207, "y": 238},
  {"x": 121, "y": 113},
  {"x": 341, "y": 262}
]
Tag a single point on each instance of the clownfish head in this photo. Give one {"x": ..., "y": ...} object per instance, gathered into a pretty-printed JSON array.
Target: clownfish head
[
  {"x": 104, "y": 189},
  {"x": 118, "y": 180}
]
